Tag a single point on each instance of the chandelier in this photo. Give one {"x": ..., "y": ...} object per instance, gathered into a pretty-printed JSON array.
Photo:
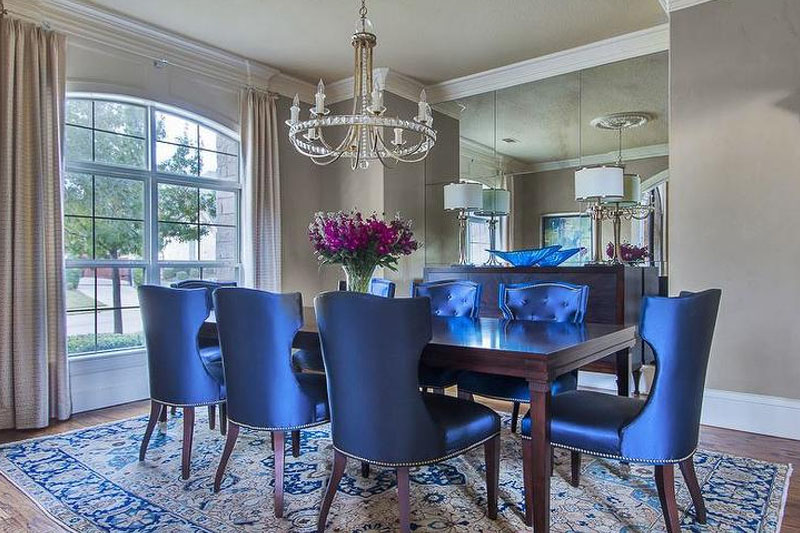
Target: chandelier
[{"x": 365, "y": 129}]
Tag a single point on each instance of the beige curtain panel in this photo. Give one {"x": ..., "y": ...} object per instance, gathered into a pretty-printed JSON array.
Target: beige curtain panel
[
  {"x": 34, "y": 378},
  {"x": 262, "y": 223}
]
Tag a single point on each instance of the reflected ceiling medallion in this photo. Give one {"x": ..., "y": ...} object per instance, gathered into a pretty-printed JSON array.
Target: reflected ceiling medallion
[
  {"x": 365, "y": 128},
  {"x": 622, "y": 121}
]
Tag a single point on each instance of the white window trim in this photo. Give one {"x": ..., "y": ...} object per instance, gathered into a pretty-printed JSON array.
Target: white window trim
[{"x": 152, "y": 178}]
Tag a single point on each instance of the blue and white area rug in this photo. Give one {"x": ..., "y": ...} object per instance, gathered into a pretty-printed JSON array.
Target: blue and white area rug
[{"x": 91, "y": 481}]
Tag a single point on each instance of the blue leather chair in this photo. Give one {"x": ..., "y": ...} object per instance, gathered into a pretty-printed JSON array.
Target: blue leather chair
[
  {"x": 209, "y": 285},
  {"x": 182, "y": 374},
  {"x": 382, "y": 287},
  {"x": 205, "y": 340},
  {"x": 377, "y": 343},
  {"x": 256, "y": 330},
  {"x": 311, "y": 360},
  {"x": 663, "y": 430},
  {"x": 543, "y": 301},
  {"x": 449, "y": 298}
]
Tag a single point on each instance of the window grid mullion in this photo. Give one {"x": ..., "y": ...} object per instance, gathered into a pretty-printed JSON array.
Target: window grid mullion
[{"x": 150, "y": 264}]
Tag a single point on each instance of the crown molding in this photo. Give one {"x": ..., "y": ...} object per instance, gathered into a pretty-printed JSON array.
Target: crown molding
[
  {"x": 675, "y": 5},
  {"x": 631, "y": 154},
  {"x": 664, "y": 5},
  {"x": 93, "y": 24},
  {"x": 627, "y": 46},
  {"x": 486, "y": 155}
]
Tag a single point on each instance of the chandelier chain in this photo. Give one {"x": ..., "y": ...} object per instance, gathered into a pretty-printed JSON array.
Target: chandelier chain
[{"x": 363, "y": 10}]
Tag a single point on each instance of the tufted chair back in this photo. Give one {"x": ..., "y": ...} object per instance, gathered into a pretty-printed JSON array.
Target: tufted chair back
[
  {"x": 256, "y": 330},
  {"x": 208, "y": 285},
  {"x": 451, "y": 298},
  {"x": 382, "y": 287},
  {"x": 679, "y": 330},
  {"x": 172, "y": 319},
  {"x": 371, "y": 347},
  {"x": 544, "y": 301}
]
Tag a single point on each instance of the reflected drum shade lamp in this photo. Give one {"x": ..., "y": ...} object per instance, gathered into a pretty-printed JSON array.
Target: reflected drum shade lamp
[
  {"x": 496, "y": 203},
  {"x": 464, "y": 198},
  {"x": 597, "y": 186}
]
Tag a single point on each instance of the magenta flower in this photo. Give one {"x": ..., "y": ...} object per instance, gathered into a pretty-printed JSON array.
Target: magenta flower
[{"x": 363, "y": 243}]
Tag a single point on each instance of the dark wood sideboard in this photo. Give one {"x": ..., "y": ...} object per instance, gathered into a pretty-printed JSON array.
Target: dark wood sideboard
[{"x": 615, "y": 297}]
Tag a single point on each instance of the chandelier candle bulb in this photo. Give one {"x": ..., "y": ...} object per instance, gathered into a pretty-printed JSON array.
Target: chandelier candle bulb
[
  {"x": 422, "y": 113},
  {"x": 377, "y": 99},
  {"x": 398, "y": 137},
  {"x": 295, "y": 109},
  {"x": 320, "y": 98}
]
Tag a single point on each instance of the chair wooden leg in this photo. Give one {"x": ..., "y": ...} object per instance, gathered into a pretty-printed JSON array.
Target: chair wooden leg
[
  {"x": 690, "y": 476},
  {"x": 212, "y": 415},
  {"x": 575, "y": 460},
  {"x": 364, "y": 469},
  {"x": 514, "y": 417},
  {"x": 162, "y": 419},
  {"x": 527, "y": 479},
  {"x": 295, "y": 444},
  {"x": 223, "y": 418},
  {"x": 279, "y": 439},
  {"x": 230, "y": 442},
  {"x": 155, "y": 413},
  {"x": 339, "y": 463},
  {"x": 665, "y": 482},
  {"x": 404, "y": 500},
  {"x": 491, "y": 454},
  {"x": 552, "y": 461},
  {"x": 188, "y": 434}
]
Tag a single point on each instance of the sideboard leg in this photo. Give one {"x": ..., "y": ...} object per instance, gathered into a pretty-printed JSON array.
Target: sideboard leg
[{"x": 624, "y": 372}]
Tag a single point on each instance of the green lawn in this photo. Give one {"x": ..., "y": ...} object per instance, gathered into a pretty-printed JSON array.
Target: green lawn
[{"x": 78, "y": 300}]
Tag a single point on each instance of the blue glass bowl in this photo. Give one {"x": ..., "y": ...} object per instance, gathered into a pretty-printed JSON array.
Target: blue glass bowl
[
  {"x": 558, "y": 257},
  {"x": 525, "y": 258}
]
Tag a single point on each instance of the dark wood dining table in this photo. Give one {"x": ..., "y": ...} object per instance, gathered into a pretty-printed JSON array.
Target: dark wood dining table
[{"x": 536, "y": 351}]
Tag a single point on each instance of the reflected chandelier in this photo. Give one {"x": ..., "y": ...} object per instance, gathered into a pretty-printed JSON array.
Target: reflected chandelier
[{"x": 364, "y": 130}]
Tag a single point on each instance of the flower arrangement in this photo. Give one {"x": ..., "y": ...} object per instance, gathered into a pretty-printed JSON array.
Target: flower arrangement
[
  {"x": 360, "y": 244},
  {"x": 630, "y": 253}
]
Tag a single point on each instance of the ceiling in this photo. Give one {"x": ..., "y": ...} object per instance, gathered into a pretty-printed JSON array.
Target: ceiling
[
  {"x": 550, "y": 119},
  {"x": 431, "y": 41}
]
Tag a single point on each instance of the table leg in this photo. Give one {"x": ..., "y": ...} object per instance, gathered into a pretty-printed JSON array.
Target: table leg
[
  {"x": 539, "y": 454},
  {"x": 624, "y": 372}
]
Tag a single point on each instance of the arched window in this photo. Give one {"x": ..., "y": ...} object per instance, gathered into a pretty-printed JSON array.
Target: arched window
[{"x": 151, "y": 195}]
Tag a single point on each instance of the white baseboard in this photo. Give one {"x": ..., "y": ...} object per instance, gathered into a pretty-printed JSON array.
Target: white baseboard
[
  {"x": 104, "y": 380},
  {"x": 754, "y": 413}
]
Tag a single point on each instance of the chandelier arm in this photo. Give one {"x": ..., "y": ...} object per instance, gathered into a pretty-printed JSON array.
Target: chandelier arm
[
  {"x": 379, "y": 140},
  {"x": 306, "y": 153},
  {"x": 340, "y": 148},
  {"x": 405, "y": 158},
  {"x": 333, "y": 159}
]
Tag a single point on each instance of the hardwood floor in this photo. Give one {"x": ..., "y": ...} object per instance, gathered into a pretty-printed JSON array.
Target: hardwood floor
[{"x": 18, "y": 513}]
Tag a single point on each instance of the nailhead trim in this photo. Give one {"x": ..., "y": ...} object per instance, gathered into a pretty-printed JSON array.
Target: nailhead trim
[
  {"x": 618, "y": 457},
  {"x": 288, "y": 428},
  {"x": 188, "y": 404},
  {"x": 421, "y": 463}
]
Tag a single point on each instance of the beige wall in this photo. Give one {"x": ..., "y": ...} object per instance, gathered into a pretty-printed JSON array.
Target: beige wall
[
  {"x": 734, "y": 183},
  {"x": 301, "y": 197},
  {"x": 441, "y": 168},
  {"x": 554, "y": 192}
]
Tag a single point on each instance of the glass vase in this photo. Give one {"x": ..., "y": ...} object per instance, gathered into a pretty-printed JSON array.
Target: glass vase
[{"x": 358, "y": 276}]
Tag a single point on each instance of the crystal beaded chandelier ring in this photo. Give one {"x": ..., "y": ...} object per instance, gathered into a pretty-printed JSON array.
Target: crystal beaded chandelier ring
[{"x": 365, "y": 137}]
